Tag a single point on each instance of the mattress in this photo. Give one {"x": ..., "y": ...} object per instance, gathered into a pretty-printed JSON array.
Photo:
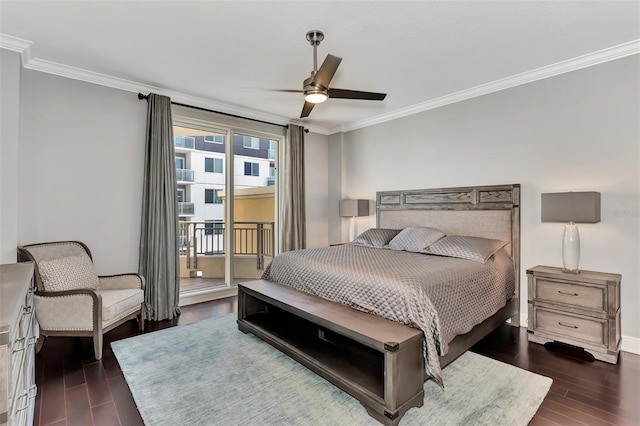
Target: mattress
[{"x": 441, "y": 296}]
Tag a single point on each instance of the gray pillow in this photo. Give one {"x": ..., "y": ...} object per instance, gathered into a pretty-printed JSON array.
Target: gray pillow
[
  {"x": 415, "y": 239},
  {"x": 375, "y": 237},
  {"x": 472, "y": 248}
]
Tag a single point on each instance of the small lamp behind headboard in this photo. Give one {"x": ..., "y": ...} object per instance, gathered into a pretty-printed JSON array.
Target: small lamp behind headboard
[
  {"x": 353, "y": 208},
  {"x": 571, "y": 208}
]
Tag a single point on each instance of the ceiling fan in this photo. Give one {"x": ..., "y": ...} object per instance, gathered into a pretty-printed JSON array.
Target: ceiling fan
[{"x": 316, "y": 88}]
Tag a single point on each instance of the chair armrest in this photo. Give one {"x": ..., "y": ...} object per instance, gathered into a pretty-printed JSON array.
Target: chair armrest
[
  {"x": 121, "y": 281},
  {"x": 77, "y": 310}
]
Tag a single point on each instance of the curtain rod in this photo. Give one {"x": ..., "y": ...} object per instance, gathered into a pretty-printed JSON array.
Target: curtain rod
[{"x": 141, "y": 96}]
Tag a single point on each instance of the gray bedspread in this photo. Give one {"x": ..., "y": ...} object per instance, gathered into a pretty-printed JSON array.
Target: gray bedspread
[{"x": 441, "y": 296}]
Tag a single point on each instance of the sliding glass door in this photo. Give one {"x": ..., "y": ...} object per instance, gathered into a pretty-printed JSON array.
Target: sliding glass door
[{"x": 227, "y": 202}]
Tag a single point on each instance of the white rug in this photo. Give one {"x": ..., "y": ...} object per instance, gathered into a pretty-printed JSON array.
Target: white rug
[{"x": 209, "y": 373}]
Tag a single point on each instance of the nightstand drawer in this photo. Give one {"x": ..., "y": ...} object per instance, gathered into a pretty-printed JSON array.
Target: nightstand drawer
[
  {"x": 571, "y": 294},
  {"x": 590, "y": 330}
]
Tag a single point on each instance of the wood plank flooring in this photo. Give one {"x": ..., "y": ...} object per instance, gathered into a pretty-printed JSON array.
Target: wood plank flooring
[{"x": 75, "y": 389}]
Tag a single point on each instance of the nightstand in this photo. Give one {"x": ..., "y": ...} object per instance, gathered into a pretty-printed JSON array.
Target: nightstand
[{"x": 579, "y": 309}]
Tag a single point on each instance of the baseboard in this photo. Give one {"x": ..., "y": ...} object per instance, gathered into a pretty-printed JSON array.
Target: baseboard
[
  {"x": 205, "y": 295},
  {"x": 630, "y": 344}
]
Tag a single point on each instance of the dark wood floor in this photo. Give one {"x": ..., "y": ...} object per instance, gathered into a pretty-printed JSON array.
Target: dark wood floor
[{"x": 75, "y": 389}]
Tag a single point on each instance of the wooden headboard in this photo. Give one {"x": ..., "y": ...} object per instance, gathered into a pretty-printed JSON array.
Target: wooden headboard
[{"x": 479, "y": 211}]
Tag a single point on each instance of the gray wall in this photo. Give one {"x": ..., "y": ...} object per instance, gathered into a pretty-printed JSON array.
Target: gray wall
[
  {"x": 316, "y": 198},
  {"x": 574, "y": 132},
  {"x": 81, "y": 167},
  {"x": 9, "y": 137}
]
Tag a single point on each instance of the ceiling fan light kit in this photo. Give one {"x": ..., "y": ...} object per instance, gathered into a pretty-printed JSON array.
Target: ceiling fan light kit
[
  {"x": 315, "y": 96},
  {"x": 316, "y": 87}
]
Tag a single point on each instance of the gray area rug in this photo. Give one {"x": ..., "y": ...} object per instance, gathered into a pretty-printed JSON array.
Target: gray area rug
[{"x": 209, "y": 373}]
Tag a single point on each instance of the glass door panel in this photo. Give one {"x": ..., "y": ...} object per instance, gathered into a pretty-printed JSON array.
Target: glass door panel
[
  {"x": 200, "y": 172},
  {"x": 254, "y": 204}
]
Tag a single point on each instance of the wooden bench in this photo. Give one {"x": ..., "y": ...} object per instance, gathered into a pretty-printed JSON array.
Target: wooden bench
[{"x": 377, "y": 361}]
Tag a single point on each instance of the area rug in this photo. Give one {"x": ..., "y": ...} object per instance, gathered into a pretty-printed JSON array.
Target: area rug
[{"x": 209, "y": 373}]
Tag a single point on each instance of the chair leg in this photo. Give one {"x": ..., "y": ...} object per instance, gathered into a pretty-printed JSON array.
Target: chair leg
[
  {"x": 97, "y": 346},
  {"x": 141, "y": 322}
]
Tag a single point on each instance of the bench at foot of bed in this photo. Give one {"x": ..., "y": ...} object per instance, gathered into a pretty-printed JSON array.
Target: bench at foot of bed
[{"x": 377, "y": 361}]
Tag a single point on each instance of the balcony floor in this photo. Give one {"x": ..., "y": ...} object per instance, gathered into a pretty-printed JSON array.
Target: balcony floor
[{"x": 191, "y": 284}]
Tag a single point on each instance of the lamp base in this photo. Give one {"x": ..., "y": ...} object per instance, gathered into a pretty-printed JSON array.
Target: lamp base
[
  {"x": 571, "y": 248},
  {"x": 571, "y": 271},
  {"x": 352, "y": 229}
]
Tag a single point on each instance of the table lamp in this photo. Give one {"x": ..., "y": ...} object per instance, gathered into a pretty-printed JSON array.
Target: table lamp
[{"x": 571, "y": 208}]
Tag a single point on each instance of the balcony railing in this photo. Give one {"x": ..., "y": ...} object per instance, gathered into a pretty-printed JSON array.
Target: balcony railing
[
  {"x": 184, "y": 175},
  {"x": 207, "y": 239},
  {"x": 186, "y": 209}
]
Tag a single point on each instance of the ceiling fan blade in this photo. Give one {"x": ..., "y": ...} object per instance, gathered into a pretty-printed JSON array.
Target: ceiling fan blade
[
  {"x": 283, "y": 90},
  {"x": 306, "y": 109},
  {"x": 262, "y": 89},
  {"x": 326, "y": 71},
  {"x": 356, "y": 94}
]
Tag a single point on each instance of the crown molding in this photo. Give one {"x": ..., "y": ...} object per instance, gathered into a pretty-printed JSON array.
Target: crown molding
[
  {"x": 24, "y": 47},
  {"x": 584, "y": 61}
]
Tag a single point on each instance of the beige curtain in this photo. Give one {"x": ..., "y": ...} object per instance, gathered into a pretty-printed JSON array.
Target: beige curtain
[
  {"x": 293, "y": 234},
  {"x": 159, "y": 261}
]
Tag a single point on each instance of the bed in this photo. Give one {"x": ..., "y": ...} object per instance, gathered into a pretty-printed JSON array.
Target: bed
[{"x": 350, "y": 274}]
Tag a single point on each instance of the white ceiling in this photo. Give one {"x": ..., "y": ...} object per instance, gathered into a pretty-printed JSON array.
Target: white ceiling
[{"x": 219, "y": 54}]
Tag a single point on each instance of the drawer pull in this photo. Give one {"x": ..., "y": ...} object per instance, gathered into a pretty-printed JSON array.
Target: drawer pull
[
  {"x": 567, "y": 325},
  {"x": 16, "y": 342},
  {"x": 567, "y": 294},
  {"x": 27, "y": 395},
  {"x": 24, "y": 406}
]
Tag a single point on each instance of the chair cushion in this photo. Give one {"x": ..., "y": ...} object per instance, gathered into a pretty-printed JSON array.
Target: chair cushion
[
  {"x": 68, "y": 273},
  {"x": 120, "y": 303}
]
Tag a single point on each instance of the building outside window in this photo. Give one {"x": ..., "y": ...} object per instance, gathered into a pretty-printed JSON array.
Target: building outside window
[
  {"x": 250, "y": 142},
  {"x": 214, "y": 138},
  {"x": 213, "y": 165},
  {"x": 212, "y": 196},
  {"x": 272, "y": 150},
  {"x": 188, "y": 142},
  {"x": 251, "y": 169},
  {"x": 209, "y": 196}
]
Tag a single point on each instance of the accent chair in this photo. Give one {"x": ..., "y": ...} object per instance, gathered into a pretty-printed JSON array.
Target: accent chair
[{"x": 72, "y": 300}]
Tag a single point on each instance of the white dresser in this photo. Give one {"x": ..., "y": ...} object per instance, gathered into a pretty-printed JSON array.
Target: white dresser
[{"x": 18, "y": 334}]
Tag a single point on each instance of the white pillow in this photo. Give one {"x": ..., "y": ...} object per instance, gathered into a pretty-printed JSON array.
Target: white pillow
[{"x": 68, "y": 273}]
